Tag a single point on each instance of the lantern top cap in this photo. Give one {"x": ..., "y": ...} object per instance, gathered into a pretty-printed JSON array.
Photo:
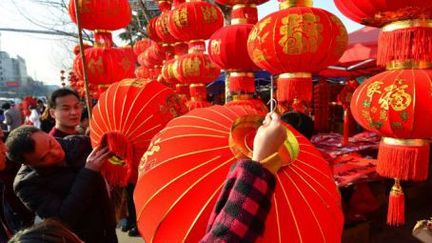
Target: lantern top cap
[{"x": 295, "y": 3}]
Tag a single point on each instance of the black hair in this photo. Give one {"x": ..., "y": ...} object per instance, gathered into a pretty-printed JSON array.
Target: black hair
[
  {"x": 6, "y": 106},
  {"x": 20, "y": 142},
  {"x": 84, "y": 114},
  {"x": 301, "y": 122},
  {"x": 61, "y": 93},
  {"x": 48, "y": 231}
]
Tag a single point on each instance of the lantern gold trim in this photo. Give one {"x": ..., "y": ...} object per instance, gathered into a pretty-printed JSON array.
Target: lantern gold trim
[
  {"x": 295, "y": 3},
  {"x": 404, "y": 24},
  {"x": 295, "y": 75},
  {"x": 408, "y": 64},
  {"x": 404, "y": 142}
]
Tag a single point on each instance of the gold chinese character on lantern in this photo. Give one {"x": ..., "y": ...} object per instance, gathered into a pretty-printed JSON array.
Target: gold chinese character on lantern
[
  {"x": 373, "y": 88},
  {"x": 395, "y": 96},
  {"x": 301, "y": 33},
  {"x": 191, "y": 67},
  {"x": 209, "y": 14},
  {"x": 215, "y": 47},
  {"x": 180, "y": 17},
  {"x": 342, "y": 36},
  {"x": 96, "y": 66}
]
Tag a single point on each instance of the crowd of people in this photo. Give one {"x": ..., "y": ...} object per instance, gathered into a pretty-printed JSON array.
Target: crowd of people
[{"x": 56, "y": 177}]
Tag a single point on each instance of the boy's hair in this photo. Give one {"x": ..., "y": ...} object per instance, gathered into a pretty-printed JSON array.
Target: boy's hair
[
  {"x": 60, "y": 93},
  {"x": 48, "y": 231},
  {"x": 6, "y": 106},
  {"x": 19, "y": 142},
  {"x": 301, "y": 122}
]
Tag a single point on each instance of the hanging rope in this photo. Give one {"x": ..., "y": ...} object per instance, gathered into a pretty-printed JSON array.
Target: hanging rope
[{"x": 84, "y": 63}]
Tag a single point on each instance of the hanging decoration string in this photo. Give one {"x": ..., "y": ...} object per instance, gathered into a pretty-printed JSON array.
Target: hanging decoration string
[
  {"x": 272, "y": 101},
  {"x": 84, "y": 63}
]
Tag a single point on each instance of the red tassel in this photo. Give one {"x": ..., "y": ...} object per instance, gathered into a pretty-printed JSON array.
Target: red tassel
[
  {"x": 120, "y": 166},
  {"x": 396, "y": 206},
  {"x": 406, "y": 159},
  {"x": 413, "y": 43},
  {"x": 241, "y": 83},
  {"x": 322, "y": 106},
  {"x": 346, "y": 127},
  {"x": 289, "y": 89}
]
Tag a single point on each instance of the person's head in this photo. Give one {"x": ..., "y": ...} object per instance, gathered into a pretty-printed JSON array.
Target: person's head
[
  {"x": 6, "y": 106},
  {"x": 31, "y": 146},
  {"x": 301, "y": 122},
  {"x": 84, "y": 123},
  {"x": 48, "y": 231},
  {"x": 65, "y": 108}
]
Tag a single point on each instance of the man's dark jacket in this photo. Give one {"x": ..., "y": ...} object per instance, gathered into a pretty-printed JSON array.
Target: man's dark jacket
[{"x": 72, "y": 193}]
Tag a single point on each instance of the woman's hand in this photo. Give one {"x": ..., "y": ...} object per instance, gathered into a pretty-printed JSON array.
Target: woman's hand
[{"x": 269, "y": 138}]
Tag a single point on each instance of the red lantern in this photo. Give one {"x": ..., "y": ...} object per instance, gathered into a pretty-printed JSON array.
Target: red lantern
[
  {"x": 106, "y": 65},
  {"x": 143, "y": 73},
  {"x": 128, "y": 115},
  {"x": 104, "y": 15},
  {"x": 195, "y": 21},
  {"x": 162, "y": 28},
  {"x": 142, "y": 45},
  {"x": 195, "y": 68},
  {"x": 293, "y": 43},
  {"x": 297, "y": 39},
  {"x": 394, "y": 104},
  {"x": 228, "y": 48},
  {"x": 378, "y": 12},
  {"x": 406, "y": 27},
  {"x": 151, "y": 29},
  {"x": 152, "y": 57},
  {"x": 186, "y": 180}
]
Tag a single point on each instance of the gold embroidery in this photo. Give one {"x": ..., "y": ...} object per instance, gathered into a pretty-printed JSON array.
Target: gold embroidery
[
  {"x": 258, "y": 55},
  {"x": 396, "y": 125},
  {"x": 96, "y": 66},
  {"x": 395, "y": 96},
  {"x": 215, "y": 47},
  {"x": 342, "y": 37},
  {"x": 139, "y": 83},
  {"x": 154, "y": 147},
  {"x": 300, "y": 34},
  {"x": 209, "y": 14},
  {"x": 180, "y": 17},
  {"x": 256, "y": 31},
  {"x": 125, "y": 64},
  {"x": 373, "y": 88},
  {"x": 191, "y": 67}
]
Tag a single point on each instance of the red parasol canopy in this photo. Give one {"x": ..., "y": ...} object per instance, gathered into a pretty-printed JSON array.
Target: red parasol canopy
[
  {"x": 359, "y": 59},
  {"x": 129, "y": 114},
  {"x": 184, "y": 169}
]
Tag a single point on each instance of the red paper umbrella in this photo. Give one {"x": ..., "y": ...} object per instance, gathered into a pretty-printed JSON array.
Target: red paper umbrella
[
  {"x": 184, "y": 169},
  {"x": 129, "y": 114}
]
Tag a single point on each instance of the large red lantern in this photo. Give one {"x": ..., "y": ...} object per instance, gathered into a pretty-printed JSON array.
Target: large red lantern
[
  {"x": 186, "y": 180},
  {"x": 106, "y": 65},
  {"x": 380, "y": 12},
  {"x": 395, "y": 104},
  {"x": 195, "y": 68},
  {"x": 129, "y": 113},
  {"x": 195, "y": 21},
  {"x": 406, "y": 27},
  {"x": 297, "y": 39},
  {"x": 228, "y": 48},
  {"x": 102, "y": 14},
  {"x": 293, "y": 43}
]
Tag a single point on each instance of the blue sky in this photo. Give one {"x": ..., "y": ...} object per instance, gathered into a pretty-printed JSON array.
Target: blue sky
[{"x": 47, "y": 55}]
